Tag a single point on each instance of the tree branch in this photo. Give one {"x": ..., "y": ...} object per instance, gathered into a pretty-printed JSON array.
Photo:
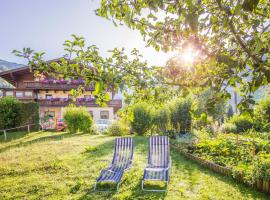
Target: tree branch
[{"x": 237, "y": 37}]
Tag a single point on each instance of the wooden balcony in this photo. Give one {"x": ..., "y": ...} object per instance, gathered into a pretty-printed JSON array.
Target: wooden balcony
[
  {"x": 90, "y": 103},
  {"x": 53, "y": 86}
]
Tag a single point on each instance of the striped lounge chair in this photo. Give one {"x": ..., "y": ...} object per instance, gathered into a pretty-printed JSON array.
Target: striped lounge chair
[
  {"x": 159, "y": 161},
  {"x": 122, "y": 160}
]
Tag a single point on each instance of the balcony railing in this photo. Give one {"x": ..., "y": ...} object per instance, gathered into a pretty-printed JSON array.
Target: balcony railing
[
  {"x": 88, "y": 103},
  {"x": 53, "y": 86}
]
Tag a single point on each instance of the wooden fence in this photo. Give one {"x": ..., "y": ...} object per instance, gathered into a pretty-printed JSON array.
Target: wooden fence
[
  {"x": 5, "y": 130},
  {"x": 260, "y": 185}
]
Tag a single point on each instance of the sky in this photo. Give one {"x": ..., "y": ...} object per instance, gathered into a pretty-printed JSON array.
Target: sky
[{"x": 44, "y": 25}]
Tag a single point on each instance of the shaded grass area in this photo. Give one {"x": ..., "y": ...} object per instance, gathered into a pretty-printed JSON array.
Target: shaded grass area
[
  {"x": 50, "y": 165},
  {"x": 12, "y": 136}
]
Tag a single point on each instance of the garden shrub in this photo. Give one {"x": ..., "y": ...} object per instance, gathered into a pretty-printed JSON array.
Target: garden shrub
[
  {"x": 224, "y": 151},
  {"x": 181, "y": 114},
  {"x": 261, "y": 166},
  {"x": 161, "y": 119},
  {"x": 14, "y": 113},
  {"x": 242, "y": 122},
  {"x": 141, "y": 121},
  {"x": 78, "y": 119},
  {"x": 10, "y": 115},
  {"x": 249, "y": 158},
  {"x": 264, "y": 146},
  {"x": 262, "y": 114},
  {"x": 228, "y": 128},
  {"x": 117, "y": 129}
]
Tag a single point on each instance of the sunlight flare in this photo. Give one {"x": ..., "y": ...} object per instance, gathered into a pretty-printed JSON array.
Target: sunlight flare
[{"x": 188, "y": 55}]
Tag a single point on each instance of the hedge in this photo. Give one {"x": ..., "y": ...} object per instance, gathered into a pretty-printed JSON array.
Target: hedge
[{"x": 14, "y": 113}]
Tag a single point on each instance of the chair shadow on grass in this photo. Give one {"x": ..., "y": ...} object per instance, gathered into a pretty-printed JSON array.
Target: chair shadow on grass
[{"x": 40, "y": 139}]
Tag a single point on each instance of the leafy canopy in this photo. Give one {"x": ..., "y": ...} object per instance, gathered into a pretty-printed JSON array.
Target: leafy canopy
[
  {"x": 118, "y": 71},
  {"x": 231, "y": 37}
]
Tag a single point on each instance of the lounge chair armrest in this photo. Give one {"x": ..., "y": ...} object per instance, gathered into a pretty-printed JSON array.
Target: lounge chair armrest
[{"x": 155, "y": 169}]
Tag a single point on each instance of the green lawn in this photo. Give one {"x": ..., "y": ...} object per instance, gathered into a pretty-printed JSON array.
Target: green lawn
[{"x": 48, "y": 165}]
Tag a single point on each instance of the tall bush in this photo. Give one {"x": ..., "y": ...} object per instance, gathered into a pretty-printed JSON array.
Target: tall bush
[
  {"x": 262, "y": 114},
  {"x": 181, "y": 114},
  {"x": 117, "y": 128},
  {"x": 78, "y": 119},
  {"x": 141, "y": 121},
  {"x": 10, "y": 115},
  {"x": 242, "y": 122},
  {"x": 14, "y": 113},
  {"x": 161, "y": 118}
]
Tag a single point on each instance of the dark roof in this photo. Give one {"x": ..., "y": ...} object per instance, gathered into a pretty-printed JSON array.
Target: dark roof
[{"x": 14, "y": 70}]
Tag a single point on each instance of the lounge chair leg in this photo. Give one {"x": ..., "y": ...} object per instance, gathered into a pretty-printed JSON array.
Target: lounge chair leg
[
  {"x": 117, "y": 187},
  {"x": 142, "y": 185},
  {"x": 95, "y": 186}
]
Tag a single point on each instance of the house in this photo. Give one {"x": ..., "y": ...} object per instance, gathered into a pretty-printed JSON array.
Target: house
[{"x": 54, "y": 95}]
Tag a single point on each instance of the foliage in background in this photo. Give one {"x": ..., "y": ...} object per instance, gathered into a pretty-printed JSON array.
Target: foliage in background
[
  {"x": 242, "y": 122},
  {"x": 161, "y": 118},
  {"x": 230, "y": 112},
  {"x": 14, "y": 113},
  {"x": 262, "y": 114},
  {"x": 29, "y": 113},
  {"x": 212, "y": 104},
  {"x": 9, "y": 113},
  {"x": 142, "y": 120},
  {"x": 118, "y": 128},
  {"x": 181, "y": 118},
  {"x": 228, "y": 128},
  {"x": 78, "y": 119}
]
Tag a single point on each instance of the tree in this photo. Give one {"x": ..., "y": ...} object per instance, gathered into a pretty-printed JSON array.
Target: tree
[
  {"x": 118, "y": 71},
  {"x": 262, "y": 114},
  {"x": 230, "y": 111},
  {"x": 231, "y": 37},
  {"x": 211, "y": 103},
  {"x": 142, "y": 119}
]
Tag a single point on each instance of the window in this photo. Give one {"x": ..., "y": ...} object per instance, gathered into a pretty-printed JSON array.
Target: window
[
  {"x": 48, "y": 96},
  {"x": 91, "y": 113},
  {"x": 104, "y": 114},
  {"x": 19, "y": 94},
  {"x": 9, "y": 93},
  {"x": 28, "y": 94}
]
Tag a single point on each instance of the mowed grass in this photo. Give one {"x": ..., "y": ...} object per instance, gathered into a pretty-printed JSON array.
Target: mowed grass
[{"x": 48, "y": 165}]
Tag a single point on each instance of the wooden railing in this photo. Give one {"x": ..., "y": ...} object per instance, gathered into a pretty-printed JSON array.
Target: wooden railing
[
  {"x": 53, "y": 86},
  {"x": 61, "y": 102}
]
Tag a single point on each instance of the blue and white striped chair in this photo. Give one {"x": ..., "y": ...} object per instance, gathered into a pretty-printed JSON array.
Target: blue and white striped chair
[
  {"x": 159, "y": 161},
  {"x": 122, "y": 161}
]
